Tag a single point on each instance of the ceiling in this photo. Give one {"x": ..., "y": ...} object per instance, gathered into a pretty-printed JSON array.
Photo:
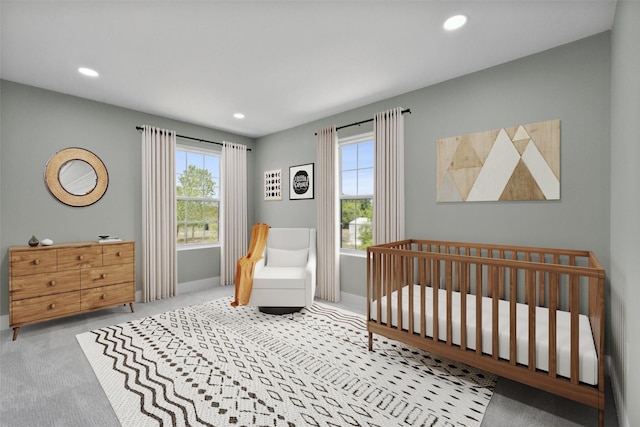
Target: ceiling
[{"x": 281, "y": 63}]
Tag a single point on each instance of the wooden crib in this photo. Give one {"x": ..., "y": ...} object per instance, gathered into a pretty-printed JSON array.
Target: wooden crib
[{"x": 540, "y": 311}]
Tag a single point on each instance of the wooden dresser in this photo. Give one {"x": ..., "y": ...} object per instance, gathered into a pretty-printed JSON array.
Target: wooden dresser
[{"x": 48, "y": 282}]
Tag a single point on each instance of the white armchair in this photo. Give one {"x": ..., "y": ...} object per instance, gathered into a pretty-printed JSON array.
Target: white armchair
[{"x": 284, "y": 280}]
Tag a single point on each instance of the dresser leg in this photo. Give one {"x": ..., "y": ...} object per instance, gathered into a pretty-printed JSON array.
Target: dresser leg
[
  {"x": 131, "y": 305},
  {"x": 15, "y": 333}
]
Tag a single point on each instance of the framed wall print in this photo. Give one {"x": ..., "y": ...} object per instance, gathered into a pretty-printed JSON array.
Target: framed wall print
[
  {"x": 301, "y": 182},
  {"x": 273, "y": 185}
]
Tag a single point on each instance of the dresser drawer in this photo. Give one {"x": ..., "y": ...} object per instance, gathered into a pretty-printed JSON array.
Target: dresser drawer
[
  {"x": 22, "y": 263},
  {"x": 42, "y": 308},
  {"x": 107, "y": 296},
  {"x": 79, "y": 257},
  {"x": 102, "y": 276},
  {"x": 118, "y": 253},
  {"x": 44, "y": 284}
]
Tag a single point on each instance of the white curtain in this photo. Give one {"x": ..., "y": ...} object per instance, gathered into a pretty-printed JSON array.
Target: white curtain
[
  {"x": 388, "y": 206},
  {"x": 234, "y": 209},
  {"x": 159, "y": 271},
  {"x": 328, "y": 251}
]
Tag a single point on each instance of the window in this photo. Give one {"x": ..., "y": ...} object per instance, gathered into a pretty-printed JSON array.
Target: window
[
  {"x": 197, "y": 197},
  {"x": 356, "y": 192}
]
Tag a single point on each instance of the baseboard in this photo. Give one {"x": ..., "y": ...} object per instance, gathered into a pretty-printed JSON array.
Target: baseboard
[
  {"x": 4, "y": 322},
  {"x": 616, "y": 387},
  {"x": 198, "y": 285},
  {"x": 353, "y": 299}
]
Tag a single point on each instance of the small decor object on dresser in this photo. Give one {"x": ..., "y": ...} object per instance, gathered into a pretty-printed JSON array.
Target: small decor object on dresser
[
  {"x": 107, "y": 239},
  {"x": 49, "y": 282},
  {"x": 33, "y": 241},
  {"x": 46, "y": 242}
]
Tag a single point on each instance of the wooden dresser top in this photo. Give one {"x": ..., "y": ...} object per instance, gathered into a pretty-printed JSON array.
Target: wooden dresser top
[{"x": 65, "y": 245}]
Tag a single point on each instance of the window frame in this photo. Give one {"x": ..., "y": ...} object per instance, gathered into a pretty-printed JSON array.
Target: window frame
[
  {"x": 206, "y": 152},
  {"x": 351, "y": 140}
]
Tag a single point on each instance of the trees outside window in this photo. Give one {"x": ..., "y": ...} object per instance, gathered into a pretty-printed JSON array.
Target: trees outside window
[
  {"x": 197, "y": 197},
  {"x": 356, "y": 192}
]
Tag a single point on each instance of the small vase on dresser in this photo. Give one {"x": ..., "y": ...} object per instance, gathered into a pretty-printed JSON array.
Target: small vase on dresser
[{"x": 49, "y": 282}]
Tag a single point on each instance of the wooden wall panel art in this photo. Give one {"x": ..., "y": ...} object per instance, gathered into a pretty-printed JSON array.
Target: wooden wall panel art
[{"x": 515, "y": 163}]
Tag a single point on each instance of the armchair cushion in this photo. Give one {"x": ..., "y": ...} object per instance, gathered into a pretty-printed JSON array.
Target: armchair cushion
[{"x": 286, "y": 257}]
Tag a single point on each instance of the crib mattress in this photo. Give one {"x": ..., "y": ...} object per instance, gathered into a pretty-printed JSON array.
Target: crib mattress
[{"x": 588, "y": 372}]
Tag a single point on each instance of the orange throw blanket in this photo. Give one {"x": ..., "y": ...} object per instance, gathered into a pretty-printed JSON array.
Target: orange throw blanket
[{"x": 246, "y": 264}]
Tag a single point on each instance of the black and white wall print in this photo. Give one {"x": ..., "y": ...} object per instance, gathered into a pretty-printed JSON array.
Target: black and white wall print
[
  {"x": 301, "y": 182},
  {"x": 273, "y": 184}
]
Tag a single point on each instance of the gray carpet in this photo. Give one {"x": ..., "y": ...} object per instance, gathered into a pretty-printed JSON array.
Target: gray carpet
[{"x": 45, "y": 379}]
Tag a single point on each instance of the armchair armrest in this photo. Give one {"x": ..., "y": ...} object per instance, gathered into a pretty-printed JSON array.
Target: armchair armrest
[{"x": 311, "y": 267}]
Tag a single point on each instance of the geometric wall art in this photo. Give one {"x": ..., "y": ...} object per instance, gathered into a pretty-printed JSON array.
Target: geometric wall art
[
  {"x": 273, "y": 185},
  {"x": 515, "y": 163}
]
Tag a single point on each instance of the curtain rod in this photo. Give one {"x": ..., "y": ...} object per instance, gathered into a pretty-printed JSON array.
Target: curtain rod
[
  {"x": 408, "y": 110},
  {"x": 193, "y": 139}
]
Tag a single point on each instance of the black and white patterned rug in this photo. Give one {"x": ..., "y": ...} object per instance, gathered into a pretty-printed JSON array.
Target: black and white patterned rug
[{"x": 216, "y": 365}]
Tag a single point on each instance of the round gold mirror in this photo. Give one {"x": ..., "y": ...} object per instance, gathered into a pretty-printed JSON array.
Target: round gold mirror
[{"x": 76, "y": 177}]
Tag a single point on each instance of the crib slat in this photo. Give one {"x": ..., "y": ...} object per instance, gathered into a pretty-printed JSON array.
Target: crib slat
[
  {"x": 423, "y": 292},
  {"x": 464, "y": 287},
  {"x": 513, "y": 342},
  {"x": 501, "y": 287},
  {"x": 449, "y": 285},
  {"x": 388, "y": 285},
  {"x": 553, "y": 307},
  {"x": 489, "y": 287},
  {"x": 494, "y": 312},
  {"x": 397, "y": 268},
  {"x": 408, "y": 267},
  {"x": 531, "y": 290},
  {"x": 541, "y": 283},
  {"x": 436, "y": 286},
  {"x": 574, "y": 308},
  {"x": 478, "y": 308},
  {"x": 377, "y": 286}
]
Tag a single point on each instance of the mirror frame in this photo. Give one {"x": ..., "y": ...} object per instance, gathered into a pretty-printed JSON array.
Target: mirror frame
[{"x": 52, "y": 172}]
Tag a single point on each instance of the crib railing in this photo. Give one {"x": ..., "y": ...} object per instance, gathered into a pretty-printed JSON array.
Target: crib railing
[{"x": 567, "y": 280}]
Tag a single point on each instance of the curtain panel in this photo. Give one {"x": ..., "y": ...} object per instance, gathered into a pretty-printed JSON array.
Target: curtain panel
[
  {"x": 233, "y": 210},
  {"x": 328, "y": 212},
  {"x": 388, "y": 206},
  {"x": 159, "y": 259}
]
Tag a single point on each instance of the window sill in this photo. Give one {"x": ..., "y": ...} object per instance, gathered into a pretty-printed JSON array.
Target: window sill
[
  {"x": 192, "y": 247},
  {"x": 355, "y": 254}
]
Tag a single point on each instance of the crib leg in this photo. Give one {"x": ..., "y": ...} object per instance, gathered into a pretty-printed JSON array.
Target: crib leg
[
  {"x": 370, "y": 341},
  {"x": 601, "y": 418}
]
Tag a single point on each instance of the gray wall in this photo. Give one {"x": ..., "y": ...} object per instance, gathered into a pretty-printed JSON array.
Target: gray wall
[
  {"x": 36, "y": 124},
  {"x": 625, "y": 205},
  {"x": 570, "y": 83}
]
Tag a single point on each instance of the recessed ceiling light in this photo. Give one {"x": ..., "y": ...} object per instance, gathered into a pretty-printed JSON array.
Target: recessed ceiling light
[
  {"x": 455, "y": 22},
  {"x": 88, "y": 72},
  {"x": 238, "y": 116}
]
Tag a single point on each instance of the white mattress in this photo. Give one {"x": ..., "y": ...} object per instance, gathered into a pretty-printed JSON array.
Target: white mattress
[{"x": 588, "y": 357}]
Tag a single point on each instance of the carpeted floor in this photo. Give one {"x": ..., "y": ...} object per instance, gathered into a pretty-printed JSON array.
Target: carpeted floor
[{"x": 46, "y": 380}]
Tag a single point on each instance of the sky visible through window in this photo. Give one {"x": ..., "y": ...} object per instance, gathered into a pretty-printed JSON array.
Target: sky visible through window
[{"x": 357, "y": 169}]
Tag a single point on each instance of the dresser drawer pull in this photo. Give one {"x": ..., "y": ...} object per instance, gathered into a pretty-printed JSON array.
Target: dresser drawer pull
[
  {"x": 80, "y": 257},
  {"x": 103, "y": 275},
  {"x": 118, "y": 253},
  {"x": 36, "y": 261},
  {"x": 52, "y": 283},
  {"x": 52, "y": 306},
  {"x": 104, "y": 296}
]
